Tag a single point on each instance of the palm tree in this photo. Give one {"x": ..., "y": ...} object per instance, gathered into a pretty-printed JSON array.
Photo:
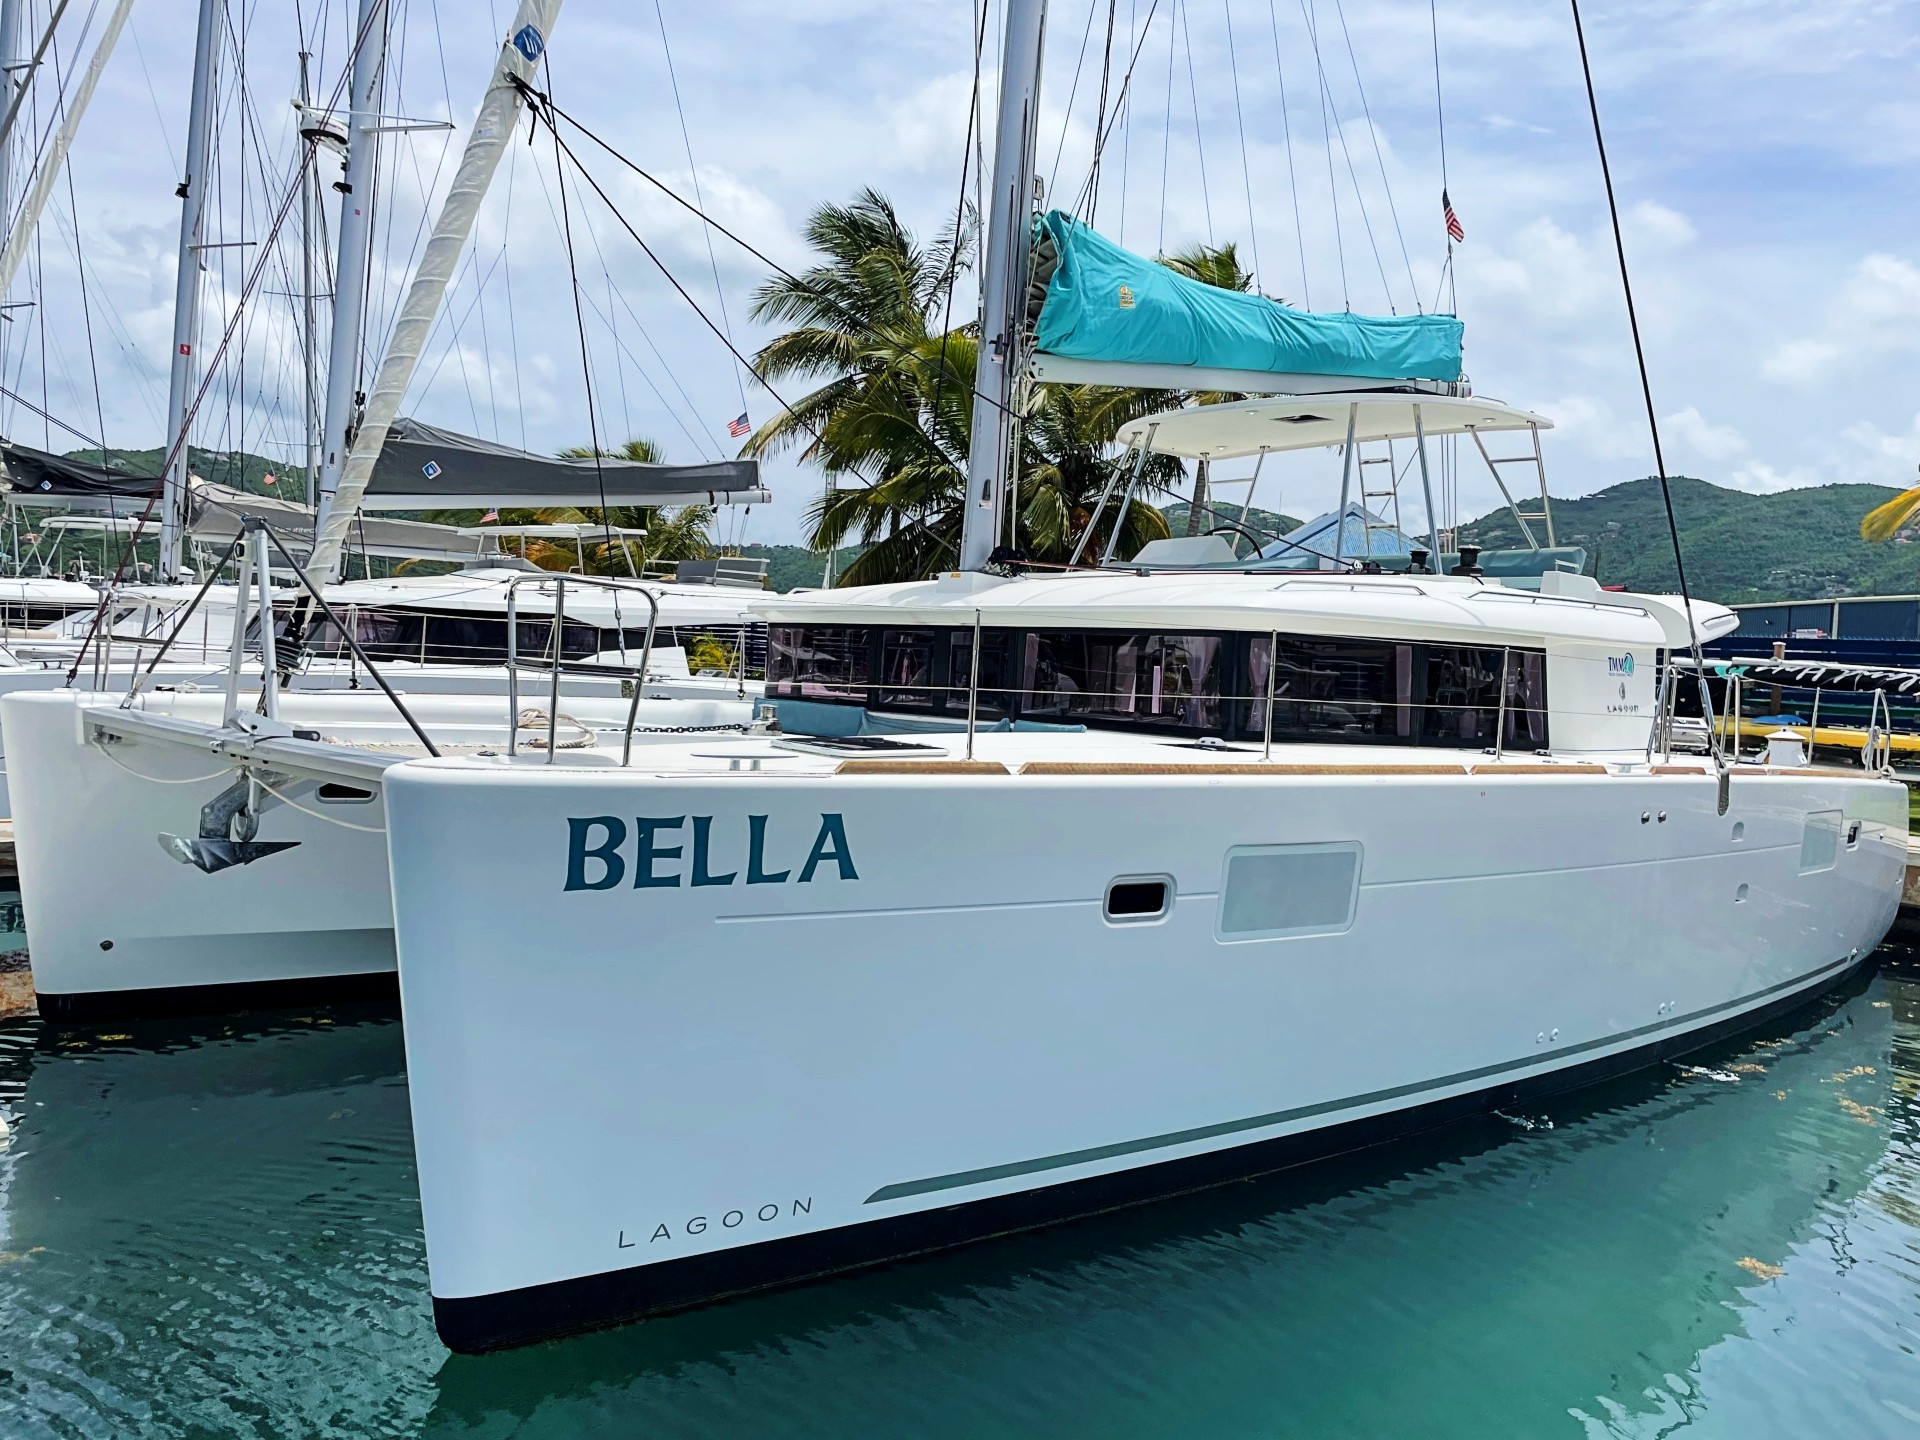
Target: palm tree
[
  {"x": 1883, "y": 522},
  {"x": 1212, "y": 265},
  {"x": 894, "y": 404},
  {"x": 679, "y": 533}
]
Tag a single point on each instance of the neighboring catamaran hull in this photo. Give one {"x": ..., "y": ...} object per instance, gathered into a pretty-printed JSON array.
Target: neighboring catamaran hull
[
  {"x": 781, "y": 1033},
  {"x": 117, "y": 925}
]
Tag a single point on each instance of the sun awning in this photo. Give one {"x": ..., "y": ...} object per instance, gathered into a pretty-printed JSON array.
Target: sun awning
[{"x": 422, "y": 467}]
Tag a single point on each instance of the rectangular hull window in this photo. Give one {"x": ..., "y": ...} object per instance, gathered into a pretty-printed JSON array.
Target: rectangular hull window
[
  {"x": 1273, "y": 891},
  {"x": 1820, "y": 841}
]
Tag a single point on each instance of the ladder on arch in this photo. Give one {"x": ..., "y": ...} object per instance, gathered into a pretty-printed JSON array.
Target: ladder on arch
[
  {"x": 1527, "y": 518},
  {"x": 1374, "y": 522}
]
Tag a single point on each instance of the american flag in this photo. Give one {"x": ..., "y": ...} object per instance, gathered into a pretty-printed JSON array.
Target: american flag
[
  {"x": 1454, "y": 232},
  {"x": 492, "y": 517},
  {"x": 738, "y": 426},
  {"x": 270, "y": 478}
]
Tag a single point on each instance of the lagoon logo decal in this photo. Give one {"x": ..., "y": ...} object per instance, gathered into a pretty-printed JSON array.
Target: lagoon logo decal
[
  {"x": 1620, "y": 664},
  {"x": 595, "y": 861}
]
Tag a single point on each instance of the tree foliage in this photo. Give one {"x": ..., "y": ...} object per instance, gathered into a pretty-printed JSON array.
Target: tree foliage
[
  {"x": 673, "y": 532},
  {"x": 889, "y": 417}
]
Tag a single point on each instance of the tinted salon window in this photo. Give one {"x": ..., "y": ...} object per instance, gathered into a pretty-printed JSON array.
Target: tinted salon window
[
  {"x": 818, "y": 662},
  {"x": 996, "y": 672},
  {"x": 1113, "y": 677},
  {"x": 1352, "y": 691},
  {"x": 907, "y": 678}
]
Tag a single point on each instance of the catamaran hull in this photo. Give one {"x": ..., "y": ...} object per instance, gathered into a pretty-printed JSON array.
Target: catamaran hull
[
  {"x": 117, "y": 926},
  {"x": 812, "y": 1040}
]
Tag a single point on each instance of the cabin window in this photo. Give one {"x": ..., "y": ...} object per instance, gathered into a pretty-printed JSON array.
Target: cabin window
[
  {"x": 819, "y": 662},
  {"x": 1275, "y": 891},
  {"x": 1820, "y": 841},
  {"x": 1153, "y": 680}
]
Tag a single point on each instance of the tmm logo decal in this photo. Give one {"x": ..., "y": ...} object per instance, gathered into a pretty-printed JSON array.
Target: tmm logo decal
[
  {"x": 1620, "y": 664},
  {"x": 599, "y": 857}
]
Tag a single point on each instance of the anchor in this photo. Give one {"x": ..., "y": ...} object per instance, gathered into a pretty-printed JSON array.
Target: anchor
[{"x": 228, "y": 824}]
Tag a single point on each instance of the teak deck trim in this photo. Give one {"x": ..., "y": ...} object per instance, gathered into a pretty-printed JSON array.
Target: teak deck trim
[
  {"x": 920, "y": 767},
  {"x": 1540, "y": 770},
  {"x": 1094, "y": 767}
]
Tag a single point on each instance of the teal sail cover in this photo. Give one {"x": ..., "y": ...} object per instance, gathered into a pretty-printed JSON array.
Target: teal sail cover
[{"x": 1105, "y": 303}]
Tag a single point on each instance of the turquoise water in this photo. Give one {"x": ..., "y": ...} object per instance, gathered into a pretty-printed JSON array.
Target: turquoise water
[{"x": 212, "y": 1230}]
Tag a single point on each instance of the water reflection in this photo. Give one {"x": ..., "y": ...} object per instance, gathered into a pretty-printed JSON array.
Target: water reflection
[
  {"x": 217, "y": 1230},
  {"x": 211, "y": 1229}
]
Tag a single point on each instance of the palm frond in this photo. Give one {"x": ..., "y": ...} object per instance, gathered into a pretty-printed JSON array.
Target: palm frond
[{"x": 1883, "y": 522}]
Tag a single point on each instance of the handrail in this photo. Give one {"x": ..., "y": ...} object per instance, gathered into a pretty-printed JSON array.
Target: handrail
[
  {"x": 1877, "y": 753},
  {"x": 560, "y": 662}
]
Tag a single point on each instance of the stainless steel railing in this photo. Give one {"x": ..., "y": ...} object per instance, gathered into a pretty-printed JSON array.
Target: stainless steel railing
[{"x": 558, "y": 663}]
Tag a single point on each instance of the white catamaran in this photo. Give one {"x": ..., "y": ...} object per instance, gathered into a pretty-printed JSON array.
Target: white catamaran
[
  {"x": 196, "y": 838},
  {"x": 1056, "y": 893}
]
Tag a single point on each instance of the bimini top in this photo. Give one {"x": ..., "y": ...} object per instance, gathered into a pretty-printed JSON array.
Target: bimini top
[
  {"x": 1312, "y": 422},
  {"x": 1107, "y": 304}
]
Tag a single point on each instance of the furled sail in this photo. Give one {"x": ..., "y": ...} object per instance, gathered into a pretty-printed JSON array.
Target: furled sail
[
  {"x": 56, "y": 477},
  {"x": 1105, "y": 304},
  {"x": 422, "y": 467},
  {"x": 486, "y": 142}
]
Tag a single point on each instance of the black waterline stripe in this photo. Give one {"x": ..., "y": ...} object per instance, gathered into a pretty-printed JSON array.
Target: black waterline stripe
[{"x": 963, "y": 1178}]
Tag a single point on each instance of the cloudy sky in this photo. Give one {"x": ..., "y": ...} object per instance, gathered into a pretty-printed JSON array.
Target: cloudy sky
[{"x": 1765, "y": 155}]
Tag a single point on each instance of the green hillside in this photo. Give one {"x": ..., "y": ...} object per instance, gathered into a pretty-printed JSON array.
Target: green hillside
[
  {"x": 1262, "y": 522},
  {"x": 236, "y": 469},
  {"x": 1795, "y": 544},
  {"x": 793, "y": 567}
]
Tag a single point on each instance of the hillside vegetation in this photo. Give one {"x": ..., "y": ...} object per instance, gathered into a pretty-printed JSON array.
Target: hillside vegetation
[{"x": 1796, "y": 544}]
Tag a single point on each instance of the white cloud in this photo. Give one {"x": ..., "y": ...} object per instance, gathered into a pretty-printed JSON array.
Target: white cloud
[
  {"x": 1653, "y": 224},
  {"x": 1705, "y": 439},
  {"x": 1764, "y": 479},
  {"x": 1874, "y": 314}
]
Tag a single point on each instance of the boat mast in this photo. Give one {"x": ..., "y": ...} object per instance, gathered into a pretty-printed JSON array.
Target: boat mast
[
  {"x": 308, "y": 325},
  {"x": 492, "y": 130},
  {"x": 186, "y": 289},
  {"x": 1003, "y": 281},
  {"x": 365, "y": 97},
  {"x": 21, "y": 235},
  {"x": 12, "y": 81}
]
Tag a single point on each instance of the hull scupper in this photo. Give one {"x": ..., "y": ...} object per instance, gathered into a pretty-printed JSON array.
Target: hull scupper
[{"x": 799, "y": 1013}]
